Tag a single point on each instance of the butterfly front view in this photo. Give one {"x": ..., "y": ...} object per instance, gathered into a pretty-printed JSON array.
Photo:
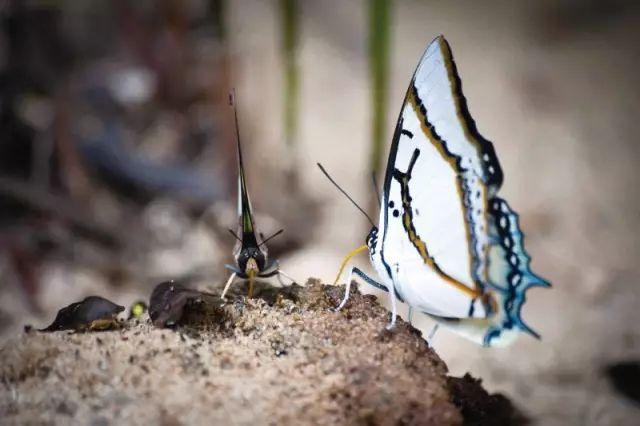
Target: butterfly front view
[
  {"x": 446, "y": 243},
  {"x": 251, "y": 255}
]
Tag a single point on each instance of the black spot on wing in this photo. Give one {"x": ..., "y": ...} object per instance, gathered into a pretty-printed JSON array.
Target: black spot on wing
[{"x": 406, "y": 132}]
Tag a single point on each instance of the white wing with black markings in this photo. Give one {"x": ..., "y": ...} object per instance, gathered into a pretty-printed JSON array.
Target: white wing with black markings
[{"x": 438, "y": 242}]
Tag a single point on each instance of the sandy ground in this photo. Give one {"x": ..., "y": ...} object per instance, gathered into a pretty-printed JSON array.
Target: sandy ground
[{"x": 295, "y": 362}]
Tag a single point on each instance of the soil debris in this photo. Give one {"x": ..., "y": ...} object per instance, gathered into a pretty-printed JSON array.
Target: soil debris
[
  {"x": 478, "y": 407},
  {"x": 284, "y": 360},
  {"x": 170, "y": 301},
  {"x": 92, "y": 313}
]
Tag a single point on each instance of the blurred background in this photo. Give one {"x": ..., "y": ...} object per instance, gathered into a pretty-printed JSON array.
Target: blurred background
[{"x": 118, "y": 167}]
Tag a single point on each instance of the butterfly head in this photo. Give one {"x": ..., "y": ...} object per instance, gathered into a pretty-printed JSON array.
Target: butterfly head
[
  {"x": 251, "y": 260},
  {"x": 372, "y": 238}
]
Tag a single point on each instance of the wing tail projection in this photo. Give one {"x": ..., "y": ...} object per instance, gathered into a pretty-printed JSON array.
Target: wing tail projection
[
  {"x": 509, "y": 271},
  {"x": 509, "y": 279}
]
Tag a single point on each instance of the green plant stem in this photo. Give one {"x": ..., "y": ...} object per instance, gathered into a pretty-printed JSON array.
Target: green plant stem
[
  {"x": 379, "y": 31},
  {"x": 290, "y": 25}
]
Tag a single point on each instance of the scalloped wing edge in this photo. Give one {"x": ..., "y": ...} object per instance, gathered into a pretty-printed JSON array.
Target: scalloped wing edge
[{"x": 518, "y": 279}]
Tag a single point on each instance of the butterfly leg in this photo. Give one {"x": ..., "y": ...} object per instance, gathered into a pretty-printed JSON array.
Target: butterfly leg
[
  {"x": 368, "y": 279},
  {"x": 410, "y": 315},
  {"x": 227, "y": 285},
  {"x": 347, "y": 291},
  {"x": 281, "y": 274},
  {"x": 394, "y": 310},
  {"x": 394, "y": 307},
  {"x": 365, "y": 277},
  {"x": 432, "y": 334}
]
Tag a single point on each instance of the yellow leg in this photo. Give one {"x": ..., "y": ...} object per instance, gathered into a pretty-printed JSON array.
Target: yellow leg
[
  {"x": 252, "y": 275},
  {"x": 347, "y": 258}
]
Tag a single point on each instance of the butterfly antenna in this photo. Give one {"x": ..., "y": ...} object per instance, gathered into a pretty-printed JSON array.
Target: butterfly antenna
[
  {"x": 272, "y": 236},
  {"x": 232, "y": 103},
  {"x": 375, "y": 187},
  {"x": 234, "y": 234},
  {"x": 345, "y": 194}
]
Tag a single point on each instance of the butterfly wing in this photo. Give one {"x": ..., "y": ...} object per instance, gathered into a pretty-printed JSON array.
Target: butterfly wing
[
  {"x": 509, "y": 272},
  {"x": 509, "y": 278},
  {"x": 439, "y": 241},
  {"x": 248, "y": 232},
  {"x": 436, "y": 187},
  {"x": 424, "y": 246},
  {"x": 245, "y": 214}
]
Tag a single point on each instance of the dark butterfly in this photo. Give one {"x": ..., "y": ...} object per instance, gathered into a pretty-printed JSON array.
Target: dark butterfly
[{"x": 250, "y": 252}]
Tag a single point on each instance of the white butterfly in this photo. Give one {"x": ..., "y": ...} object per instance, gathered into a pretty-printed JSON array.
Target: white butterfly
[{"x": 446, "y": 244}]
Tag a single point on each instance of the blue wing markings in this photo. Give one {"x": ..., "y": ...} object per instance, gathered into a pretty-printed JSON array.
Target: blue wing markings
[{"x": 514, "y": 277}]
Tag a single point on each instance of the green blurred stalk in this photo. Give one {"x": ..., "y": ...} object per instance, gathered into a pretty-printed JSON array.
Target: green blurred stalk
[
  {"x": 379, "y": 29},
  {"x": 218, "y": 12},
  {"x": 289, "y": 10}
]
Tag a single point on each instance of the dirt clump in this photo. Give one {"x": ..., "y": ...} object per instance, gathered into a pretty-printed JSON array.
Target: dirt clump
[{"x": 277, "y": 360}]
